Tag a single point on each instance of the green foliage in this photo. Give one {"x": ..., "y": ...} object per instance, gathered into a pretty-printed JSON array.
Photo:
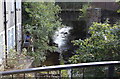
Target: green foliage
[
  {"x": 118, "y": 11},
  {"x": 103, "y": 44},
  {"x": 42, "y": 21},
  {"x": 16, "y": 60},
  {"x": 118, "y": 1},
  {"x": 84, "y": 11}
]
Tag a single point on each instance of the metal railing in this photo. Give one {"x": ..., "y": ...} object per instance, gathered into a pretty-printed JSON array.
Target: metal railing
[{"x": 109, "y": 64}]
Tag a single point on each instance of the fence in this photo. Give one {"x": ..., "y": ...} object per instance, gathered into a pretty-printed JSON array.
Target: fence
[{"x": 109, "y": 69}]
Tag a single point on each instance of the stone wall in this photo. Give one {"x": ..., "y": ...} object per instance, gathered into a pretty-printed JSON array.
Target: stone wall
[{"x": 93, "y": 15}]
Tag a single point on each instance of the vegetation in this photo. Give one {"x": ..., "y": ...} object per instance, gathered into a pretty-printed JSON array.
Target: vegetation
[
  {"x": 119, "y": 4},
  {"x": 16, "y": 60},
  {"x": 103, "y": 44},
  {"x": 41, "y": 20},
  {"x": 84, "y": 11}
]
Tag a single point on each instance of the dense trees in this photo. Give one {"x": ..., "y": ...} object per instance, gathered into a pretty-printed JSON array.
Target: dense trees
[
  {"x": 41, "y": 20},
  {"x": 103, "y": 44}
]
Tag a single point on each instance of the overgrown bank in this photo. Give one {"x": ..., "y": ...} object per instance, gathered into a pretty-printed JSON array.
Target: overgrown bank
[{"x": 41, "y": 20}]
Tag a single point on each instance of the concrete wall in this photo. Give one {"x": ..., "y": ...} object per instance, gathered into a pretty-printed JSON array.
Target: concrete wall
[
  {"x": 106, "y": 5},
  {"x": 11, "y": 24},
  {"x": 93, "y": 15},
  {"x": 10, "y": 18},
  {"x": 19, "y": 28},
  {"x": 1, "y": 17},
  {"x": 2, "y": 42}
]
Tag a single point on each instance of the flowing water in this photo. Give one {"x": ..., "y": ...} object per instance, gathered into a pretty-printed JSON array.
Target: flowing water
[{"x": 61, "y": 38}]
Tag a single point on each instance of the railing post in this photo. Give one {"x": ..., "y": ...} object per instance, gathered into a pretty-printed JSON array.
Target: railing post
[
  {"x": 24, "y": 76},
  {"x": 60, "y": 77},
  {"x": 48, "y": 75},
  {"x": 12, "y": 76},
  {"x": 35, "y": 75},
  {"x": 71, "y": 73},
  {"x": 110, "y": 73},
  {"x": 83, "y": 73}
]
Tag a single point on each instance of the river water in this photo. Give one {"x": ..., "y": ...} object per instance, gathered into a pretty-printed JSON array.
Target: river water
[{"x": 61, "y": 39}]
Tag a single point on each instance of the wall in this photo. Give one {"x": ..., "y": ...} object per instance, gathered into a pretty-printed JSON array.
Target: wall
[
  {"x": 19, "y": 28},
  {"x": 106, "y": 5},
  {"x": 1, "y": 16},
  {"x": 12, "y": 28},
  {"x": 2, "y": 42}
]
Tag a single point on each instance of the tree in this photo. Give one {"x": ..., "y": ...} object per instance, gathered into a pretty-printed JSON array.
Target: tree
[
  {"x": 118, "y": 1},
  {"x": 41, "y": 20},
  {"x": 103, "y": 44}
]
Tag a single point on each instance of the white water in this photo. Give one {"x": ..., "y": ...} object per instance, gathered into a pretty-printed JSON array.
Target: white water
[{"x": 60, "y": 37}]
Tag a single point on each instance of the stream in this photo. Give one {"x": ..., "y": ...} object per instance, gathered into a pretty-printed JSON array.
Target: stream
[{"x": 61, "y": 39}]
